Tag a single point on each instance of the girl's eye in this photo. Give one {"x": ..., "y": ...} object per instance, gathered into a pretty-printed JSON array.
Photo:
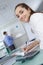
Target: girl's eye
[
  {"x": 17, "y": 16},
  {"x": 20, "y": 12}
]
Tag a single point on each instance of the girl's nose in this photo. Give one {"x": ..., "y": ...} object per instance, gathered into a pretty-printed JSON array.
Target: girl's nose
[{"x": 21, "y": 17}]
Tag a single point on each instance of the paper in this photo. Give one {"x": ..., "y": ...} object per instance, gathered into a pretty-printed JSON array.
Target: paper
[{"x": 19, "y": 53}]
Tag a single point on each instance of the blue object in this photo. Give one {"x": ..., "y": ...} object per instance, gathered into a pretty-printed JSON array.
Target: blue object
[
  {"x": 17, "y": 26},
  {"x": 8, "y": 40}
]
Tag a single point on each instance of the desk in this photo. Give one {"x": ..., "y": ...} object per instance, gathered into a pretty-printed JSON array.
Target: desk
[{"x": 36, "y": 60}]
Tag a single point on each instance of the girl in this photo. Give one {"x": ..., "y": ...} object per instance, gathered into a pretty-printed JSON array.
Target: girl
[{"x": 27, "y": 15}]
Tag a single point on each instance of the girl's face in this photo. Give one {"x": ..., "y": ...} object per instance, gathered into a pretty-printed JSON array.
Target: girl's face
[{"x": 22, "y": 13}]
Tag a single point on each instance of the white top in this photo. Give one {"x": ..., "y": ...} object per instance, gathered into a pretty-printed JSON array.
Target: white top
[
  {"x": 29, "y": 32},
  {"x": 36, "y": 22}
]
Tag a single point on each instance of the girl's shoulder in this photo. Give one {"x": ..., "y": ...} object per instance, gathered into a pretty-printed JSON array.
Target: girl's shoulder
[{"x": 36, "y": 15}]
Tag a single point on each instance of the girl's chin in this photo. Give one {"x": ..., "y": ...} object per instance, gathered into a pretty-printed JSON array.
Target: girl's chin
[{"x": 26, "y": 20}]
